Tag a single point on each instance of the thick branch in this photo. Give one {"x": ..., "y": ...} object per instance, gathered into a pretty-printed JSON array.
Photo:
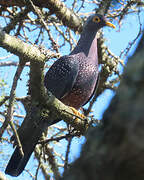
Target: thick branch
[
  {"x": 66, "y": 15},
  {"x": 22, "y": 49}
]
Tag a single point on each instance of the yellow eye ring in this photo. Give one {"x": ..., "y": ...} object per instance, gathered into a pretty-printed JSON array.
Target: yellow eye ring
[{"x": 96, "y": 19}]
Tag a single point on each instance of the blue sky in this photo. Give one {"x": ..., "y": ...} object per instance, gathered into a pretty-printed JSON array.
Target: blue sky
[{"x": 117, "y": 40}]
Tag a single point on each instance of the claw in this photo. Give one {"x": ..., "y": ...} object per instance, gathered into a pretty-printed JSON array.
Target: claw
[{"x": 77, "y": 113}]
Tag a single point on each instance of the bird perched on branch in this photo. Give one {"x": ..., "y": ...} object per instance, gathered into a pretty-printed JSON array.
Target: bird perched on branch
[{"x": 72, "y": 79}]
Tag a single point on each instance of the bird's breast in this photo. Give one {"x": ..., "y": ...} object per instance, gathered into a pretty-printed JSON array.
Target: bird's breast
[{"x": 83, "y": 87}]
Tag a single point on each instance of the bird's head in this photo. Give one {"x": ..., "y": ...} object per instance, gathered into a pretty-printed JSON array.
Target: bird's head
[{"x": 95, "y": 22}]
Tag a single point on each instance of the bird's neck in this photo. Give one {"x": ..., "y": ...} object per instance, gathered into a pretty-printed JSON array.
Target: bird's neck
[{"x": 87, "y": 45}]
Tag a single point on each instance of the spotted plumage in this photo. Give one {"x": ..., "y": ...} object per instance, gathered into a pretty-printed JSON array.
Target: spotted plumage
[
  {"x": 72, "y": 79},
  {"x": 81, "y": 83}
]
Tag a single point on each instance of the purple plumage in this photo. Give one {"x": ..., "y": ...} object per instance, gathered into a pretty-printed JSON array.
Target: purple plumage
[{"x": 72, "y": 79}]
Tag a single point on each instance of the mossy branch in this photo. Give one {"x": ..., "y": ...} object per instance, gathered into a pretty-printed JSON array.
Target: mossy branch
[{"x": 22, "y": 49}]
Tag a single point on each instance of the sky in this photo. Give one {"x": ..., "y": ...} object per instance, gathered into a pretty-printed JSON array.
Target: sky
[{"x": 117, "y": 40}]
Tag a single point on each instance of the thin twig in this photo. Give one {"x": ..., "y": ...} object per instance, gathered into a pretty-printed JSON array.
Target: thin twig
[
  {"x": 5, "y": 57},
  {"x": 16, "y": 137},
  {"x": 67, "y": 153},
  {"x": 42, "y": 166},
  {"x": 39, "y": 14},
  {"x": 58, "y": 138},
  {"x": 9, "y": 117},
  {"x": 52, "y": 162},
  {"x": 130, "y": 44},
  {"x": 39, "y": 164},
  {"x": 4, "y": 100}
]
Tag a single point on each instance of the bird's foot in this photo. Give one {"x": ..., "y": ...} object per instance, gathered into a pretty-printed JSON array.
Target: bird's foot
[
  {"x": 80, "y": 122},
  {"x": 77, "y": 113}
]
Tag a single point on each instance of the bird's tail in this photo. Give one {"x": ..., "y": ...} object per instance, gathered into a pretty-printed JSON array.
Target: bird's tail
[
  {"x": 29, "y": 137},
  {"x": 18, "y": 162}
]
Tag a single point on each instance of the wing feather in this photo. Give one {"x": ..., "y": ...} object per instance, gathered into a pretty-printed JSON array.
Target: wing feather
[{"x": 61, "y": 77}]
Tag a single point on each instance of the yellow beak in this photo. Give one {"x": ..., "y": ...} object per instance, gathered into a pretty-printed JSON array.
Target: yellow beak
[{"x": 110, "y": 25}]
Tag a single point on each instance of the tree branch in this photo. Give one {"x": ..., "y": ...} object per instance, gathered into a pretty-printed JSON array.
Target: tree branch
[
  {"x": 20, "y": 48},
  {"x": 17, "y": 19},
  {"x": 9, "y": 115},
  {"x": 66, "y": 15}
]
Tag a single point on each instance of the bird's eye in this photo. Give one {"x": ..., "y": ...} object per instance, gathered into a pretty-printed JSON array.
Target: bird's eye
[{"x": 96, "y": 19}]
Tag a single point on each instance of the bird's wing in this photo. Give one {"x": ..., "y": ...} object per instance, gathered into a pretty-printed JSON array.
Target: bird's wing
[
  {"x": 61, "y": 77},
  {"x": 95, "y": 89}
]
